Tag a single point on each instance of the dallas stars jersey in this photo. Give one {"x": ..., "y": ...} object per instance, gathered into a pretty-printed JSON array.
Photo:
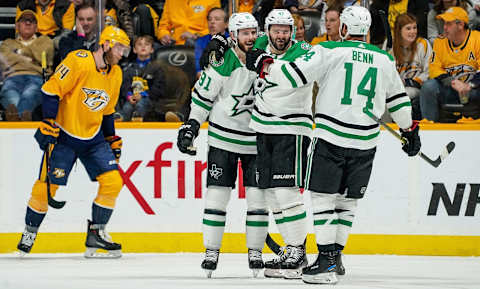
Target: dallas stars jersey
[
  {"x": 283, "y": 110},
  {"x": 462, "y": 61},
  {"x": 85, "y": 94},
  {"x": 224, "y": 94},
  {"x": 351, "y": 76}
]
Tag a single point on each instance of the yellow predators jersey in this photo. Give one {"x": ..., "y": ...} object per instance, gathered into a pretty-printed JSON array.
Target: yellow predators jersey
[
  {"x": 85, "y": 93},
  {"x": 461, "y": 61}
]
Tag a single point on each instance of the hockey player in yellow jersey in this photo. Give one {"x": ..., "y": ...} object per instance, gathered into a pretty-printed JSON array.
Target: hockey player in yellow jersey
[
  {"x": 455, "y": 61},
  {"x": 78, "y": 105}
]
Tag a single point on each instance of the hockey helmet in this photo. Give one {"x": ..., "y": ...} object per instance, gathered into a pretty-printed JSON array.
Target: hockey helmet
[
  {"x": 241, "y": 21},
  {"x": 357, "y": 19},
  {"x": 280, "y": 17},
  {"x": 115, "y": 35}
]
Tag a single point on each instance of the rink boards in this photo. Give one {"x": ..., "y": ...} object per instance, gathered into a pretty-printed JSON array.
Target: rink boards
[{"x": 409, "y": 207}]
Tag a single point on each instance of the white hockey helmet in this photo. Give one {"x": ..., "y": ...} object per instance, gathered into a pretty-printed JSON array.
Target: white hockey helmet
[
  {"x": 241, "y": 21},
  {"x": 357, "y": 19},
  {"x": 281, "y": 17}
]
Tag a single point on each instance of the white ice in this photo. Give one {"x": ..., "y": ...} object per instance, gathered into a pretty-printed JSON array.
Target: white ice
[{"x": 144, "y": 271}]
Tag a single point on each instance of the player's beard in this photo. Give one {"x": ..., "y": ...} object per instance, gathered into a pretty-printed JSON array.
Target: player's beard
[
  {"x": 281, "y": 46},
  {"x": 110, "y": 59},
  {"x": 244, "y": 47}
]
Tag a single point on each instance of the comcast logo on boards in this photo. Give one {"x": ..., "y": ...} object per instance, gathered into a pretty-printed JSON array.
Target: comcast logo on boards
[{"x": 453, "y": 205}]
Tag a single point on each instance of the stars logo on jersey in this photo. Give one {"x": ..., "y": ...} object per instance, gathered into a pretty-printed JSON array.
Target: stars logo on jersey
[
  {"x": 215, "y": 172},
  {"x": 95, "y": 99},
  {"x": 260, "y": 85},
  {"x": 244, "y": 102}
]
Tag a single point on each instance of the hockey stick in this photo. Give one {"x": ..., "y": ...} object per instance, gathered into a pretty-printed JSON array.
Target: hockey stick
[
  {"x": 435, "y": 163},
  {"x": 272, "y": 245},
  {"x": 51, "y": 201}
]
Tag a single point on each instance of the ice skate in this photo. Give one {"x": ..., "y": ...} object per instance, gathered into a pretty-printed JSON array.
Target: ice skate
[
  {"x": 209, "y": 264},
  {"x": 323, "y": 270},
  {"x": 296, "y": 260},
  {"x": 255, "y": 261},
  {"x": 273, "y": 268},
  {"x": 98, "y": 238},
  {"x": 26, "y": 242},
  {"x": 340, "y": 267}
]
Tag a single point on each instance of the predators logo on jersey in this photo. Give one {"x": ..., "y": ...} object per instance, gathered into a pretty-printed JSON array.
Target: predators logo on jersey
[
  {"x": 85, "y": 93},
  {"x": 95, "y": 99}
]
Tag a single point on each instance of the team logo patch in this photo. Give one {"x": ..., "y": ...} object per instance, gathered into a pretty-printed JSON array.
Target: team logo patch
[
  {"x": 243, "y": 102},
  {"x": 198, "y": 8},
  {"x": 95, "y": 100},
  {"x": 363, "y": 190},
  {"x": 82, "y": 54},
  {"x": 58, "y": 173},
  {"x": 305, "y": 46},
  {"x": 215, "y": 172}
]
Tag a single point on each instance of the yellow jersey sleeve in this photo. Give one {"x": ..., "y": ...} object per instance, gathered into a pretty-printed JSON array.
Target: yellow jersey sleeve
[
  {"x": 64, "y": 78},
  {"x": 116, "y": 76}
]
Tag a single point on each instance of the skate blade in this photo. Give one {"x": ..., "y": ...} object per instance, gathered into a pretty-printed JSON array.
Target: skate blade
[
  {"x": 96, "y": 253},
  {"x": 208, "y": 273},
  {"x": 273, "y": 273},
  {"x": 323, "y": 278},
  {"x": 255, "y": 272},
  {"x": 292, "y": 273}
]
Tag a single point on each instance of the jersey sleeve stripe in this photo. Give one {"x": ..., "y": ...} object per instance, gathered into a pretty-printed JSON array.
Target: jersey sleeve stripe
[
  {"x": 392, "y": 98},
  {"x": 265, "y": 122},
  {"x": 289, "y": 76},
  {"x": 399, "y": 106},
  {"x": 201, "y": 97},
  {"x": 294, "y": 115},
  {"x": 347, "y": 135},
  {"x": 231, "y": 140},
  {"x": 229, "y": 130},
  {"x": 201, "y": 104},
  {"x": 344, "y": 124},
  {"x": 299, "y": 72}
]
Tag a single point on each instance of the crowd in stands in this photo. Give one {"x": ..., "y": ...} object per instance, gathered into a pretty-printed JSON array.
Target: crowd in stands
[{"x": 435, "y": 44}]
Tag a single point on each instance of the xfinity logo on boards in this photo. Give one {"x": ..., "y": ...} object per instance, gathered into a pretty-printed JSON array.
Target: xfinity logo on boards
[{"x": 453, "y": 205}]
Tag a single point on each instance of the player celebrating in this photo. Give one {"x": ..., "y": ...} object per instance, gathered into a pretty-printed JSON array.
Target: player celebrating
[
  {"x": 283, "y": 122},
  {"x": 78, "y": 105},
  {"x": 224, "y": 95},
  {"x": 345, "y": 136}
]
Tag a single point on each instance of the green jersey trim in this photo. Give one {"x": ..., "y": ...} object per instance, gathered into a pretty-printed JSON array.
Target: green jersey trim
[
  {"x": 297, "y": 123},
  {"x": 399, "y": 106},
  {"x": 362, "y": 45},
  {"x": 346, "y": 135},
  {"x": 230, "y": 63},
  {"x": 231, "y": 140},
  {"x": 201, "y": 104}
]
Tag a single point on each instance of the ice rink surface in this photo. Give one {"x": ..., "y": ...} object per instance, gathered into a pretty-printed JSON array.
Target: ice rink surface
[{"x": 144, "y": 271}]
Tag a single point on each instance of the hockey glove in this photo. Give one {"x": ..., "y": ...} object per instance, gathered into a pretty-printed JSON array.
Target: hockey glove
[
  {"x": 412, "y": 144},
  {"x": 187, "y": 133},
  {"x": 256, "y": 61},
  {"x": 218, "y": 45},
  {"x": 47, "y": 133},
  {"x": 410, "y": 82},
  {"x": 116, "y": 144}
]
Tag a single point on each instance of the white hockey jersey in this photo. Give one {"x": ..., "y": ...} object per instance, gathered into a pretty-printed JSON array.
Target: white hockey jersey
[
  {"x": 224, "y": 95},
  {"x": 283, "y": 110},
  {"x": 352, "y": 76}
]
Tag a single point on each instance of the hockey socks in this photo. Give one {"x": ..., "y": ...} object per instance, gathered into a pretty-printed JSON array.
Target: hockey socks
[{"x": 100, "y": 215}]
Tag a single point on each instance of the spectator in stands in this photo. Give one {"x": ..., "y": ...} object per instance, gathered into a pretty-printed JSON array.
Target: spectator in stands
[
  {"x": 304, "y": 5},
  {"x": 143, "y": 89},
  {"x": 332, "y": 23},
  {"x": 299, "y": 27},
  {"x": 412, "y": 55},
  {"x": 118, "y": 13},
  {"x": 20, "y": 92},
  {"x": 386, "y": 12},
  {"x": 85, "y": 34},
  {"x": 145, "y": 20},
  {"x": 183, "y": 22},
  {"x": 77, "y": 3},
  {"x": 242, "y": 6},
  {"x": 435, "y": 25},
  {"x": 54, "y": 16},
  {"x": 217, "y": 23},
  {"x": 455, "y": 58}
]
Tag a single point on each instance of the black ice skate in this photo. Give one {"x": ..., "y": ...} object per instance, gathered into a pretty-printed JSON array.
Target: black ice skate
[
  {"x": 323, "y": 270},
  {"x": 209, "y": 264},
  {"x": 98, "y": 238},
  {"x": 255, "y": 261},
  {"x": 273, "y": 267},
  {"x": 340, "y": 267},
  {"x": 26, "y": 242},
  {"x": 296, "y": 260}
]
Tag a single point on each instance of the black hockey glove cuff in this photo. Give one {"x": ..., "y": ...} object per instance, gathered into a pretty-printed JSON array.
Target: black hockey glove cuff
[
  {"x": 217, "y": 45},
  {"x": 256, "y": 61},
  {"x": 186, "y": 134},
  {"x": 412, "y": 143}
]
